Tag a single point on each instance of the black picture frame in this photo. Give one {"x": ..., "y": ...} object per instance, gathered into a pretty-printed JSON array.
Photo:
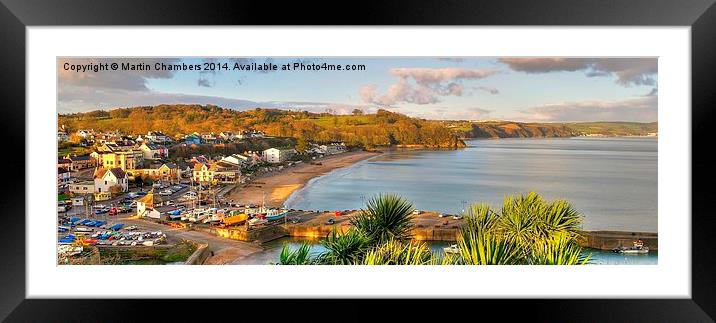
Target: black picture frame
[{"x": 16, "y": 15}]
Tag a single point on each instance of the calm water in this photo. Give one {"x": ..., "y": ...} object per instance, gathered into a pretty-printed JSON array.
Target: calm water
[
  {"x": 611, "y": 181},
  {"x": 273, "y": 250}
]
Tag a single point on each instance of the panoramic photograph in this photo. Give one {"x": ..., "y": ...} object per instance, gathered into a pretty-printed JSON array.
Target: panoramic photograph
[{"x": 357, "y": 161}]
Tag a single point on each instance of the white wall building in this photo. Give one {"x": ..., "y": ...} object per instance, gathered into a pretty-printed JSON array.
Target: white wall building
[
  {"x": 277, "y": 156},
  {"x": 235, "y": 159},
  {"x": 63, "y": 176},
  {"x": 105, "y": 179}
]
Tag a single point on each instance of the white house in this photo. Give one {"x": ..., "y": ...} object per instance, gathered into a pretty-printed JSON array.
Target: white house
[
  {"x": 156, "y": 136},
  {"x": 235, "y": 159},
  {"x": 105, "y": 179},
  {"x": 62, "y": 136},
  {"x": 227, "y": 135},
  {"x": 277, "y": 156},
  {"x": 63, "y": 176},
  {"x": 154, "y": 151},
  {"x": 145, "y": 205},
  {"x": 85, "y": 133}
]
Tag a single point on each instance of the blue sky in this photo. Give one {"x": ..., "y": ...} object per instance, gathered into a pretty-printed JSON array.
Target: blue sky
[{"x": 541, "y": 89}]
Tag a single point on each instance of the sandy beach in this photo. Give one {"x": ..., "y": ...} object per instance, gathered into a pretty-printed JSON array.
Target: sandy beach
[{"x": 279, "y": 185}]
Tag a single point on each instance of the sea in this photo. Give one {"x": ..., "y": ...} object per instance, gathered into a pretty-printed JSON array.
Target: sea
[{"x": 611, "y": 181}]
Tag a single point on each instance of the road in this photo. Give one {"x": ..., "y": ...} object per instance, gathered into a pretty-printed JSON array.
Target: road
[{"x": 224, "y": 250}]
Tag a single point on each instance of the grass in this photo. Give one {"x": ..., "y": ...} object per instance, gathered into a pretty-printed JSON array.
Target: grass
[{"x": 180, "y": 252}]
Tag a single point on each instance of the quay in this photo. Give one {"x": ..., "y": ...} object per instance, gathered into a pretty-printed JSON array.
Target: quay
[{"x": 428, "y": 227}]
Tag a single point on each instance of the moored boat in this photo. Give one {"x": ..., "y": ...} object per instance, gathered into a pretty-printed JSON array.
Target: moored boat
[
  {"x": 275, "y": 214},
  {"x": 636, "y": 248},
  {"x": 452, "y": 249},
  {"x": 257, "y": 221}
]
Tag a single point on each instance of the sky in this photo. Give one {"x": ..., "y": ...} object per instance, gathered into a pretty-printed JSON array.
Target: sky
[{"x": 528, "y": 89}]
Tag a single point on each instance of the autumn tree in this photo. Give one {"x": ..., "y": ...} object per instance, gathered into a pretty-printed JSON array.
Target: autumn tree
[{"x": 302, "y": 145}]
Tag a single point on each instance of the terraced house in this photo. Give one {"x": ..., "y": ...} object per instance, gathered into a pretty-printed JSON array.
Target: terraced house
[
  {"x": 154, "y": 151},
  {"x": 125, "y": 160},
  {"x": 167, "y": 172},
  {"x": 216, "y": 173}
]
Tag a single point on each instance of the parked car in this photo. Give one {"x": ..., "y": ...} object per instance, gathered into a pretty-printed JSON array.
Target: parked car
[
  {"x": 456, "y": 217},
  {"x": 330, "y": 221},
  {"x": 441, "y": 215},
  {"x": 166, "y": 193},
  {"x": 416, "y": 212}
]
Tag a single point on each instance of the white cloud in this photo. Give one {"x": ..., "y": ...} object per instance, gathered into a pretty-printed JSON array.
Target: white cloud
[{"x": 422, "y": 85}]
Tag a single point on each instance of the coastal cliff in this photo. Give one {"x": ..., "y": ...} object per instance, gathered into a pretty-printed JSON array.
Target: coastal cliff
[
  {"x": 511, "y": 129},
  {"x": 518, "y": 130}
]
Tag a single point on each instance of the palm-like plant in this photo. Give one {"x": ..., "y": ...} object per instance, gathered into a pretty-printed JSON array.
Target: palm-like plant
[
  {"x": 486, "y": 248},
  {"x": 519, "y": 217},
  {"x": 345, "y": 248},
  {"x": 386, "y": 217},
  {"x": 300, "y": 256},
  {"x": 395, "y": 252},
  {"x": 559, "y": 218},
  {"x": 480, "y": 217},
  {"x": 558, "y": 249}
]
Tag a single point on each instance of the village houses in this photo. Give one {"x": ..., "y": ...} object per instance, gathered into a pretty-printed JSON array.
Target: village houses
[
  {"x": 157, "y": 137},
  {"x": 227, "y": 135},
  {"x": 82, "y": 162},
  {"x": 154, "y": 151},
  {"x": 166, "y": 172},
  {"x": 63, "y": 176}
]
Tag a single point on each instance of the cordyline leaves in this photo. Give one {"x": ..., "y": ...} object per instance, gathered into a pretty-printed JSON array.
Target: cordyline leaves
[
  {"x": 527, "y": 231},
  {"x": 300, "y": 256},
  {"x": 345, "y": 248},
  {"x": 386, "y": 217},
  {"x": 395, "y": 252}
]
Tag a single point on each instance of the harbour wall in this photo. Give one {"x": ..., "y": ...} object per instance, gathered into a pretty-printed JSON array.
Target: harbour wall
[
  {"x": 608, "y": 240},
  {"x": 199, "y": 255},
  {"x": 259, "y": 235},
  {"x": 603, "y": 240}
]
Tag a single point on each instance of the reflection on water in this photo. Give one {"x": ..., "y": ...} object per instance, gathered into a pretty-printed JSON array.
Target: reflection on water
[
  {"x": 611, "y": 181},
  {"x": 273, "y": 250}
]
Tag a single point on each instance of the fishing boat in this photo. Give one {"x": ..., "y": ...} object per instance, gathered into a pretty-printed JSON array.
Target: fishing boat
[
  {"x": 197, "y": 217},
  {"x": 257, "y": 221},
  {"x": 275, "y": 214},
  {"x": 234, "y": 217},
  {"x": 452, "y": 249},
  {"x": 636, "y": 248}
]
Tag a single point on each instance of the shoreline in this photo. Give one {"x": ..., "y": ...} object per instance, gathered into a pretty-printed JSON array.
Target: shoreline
[{"x": 280, "y": 185}]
